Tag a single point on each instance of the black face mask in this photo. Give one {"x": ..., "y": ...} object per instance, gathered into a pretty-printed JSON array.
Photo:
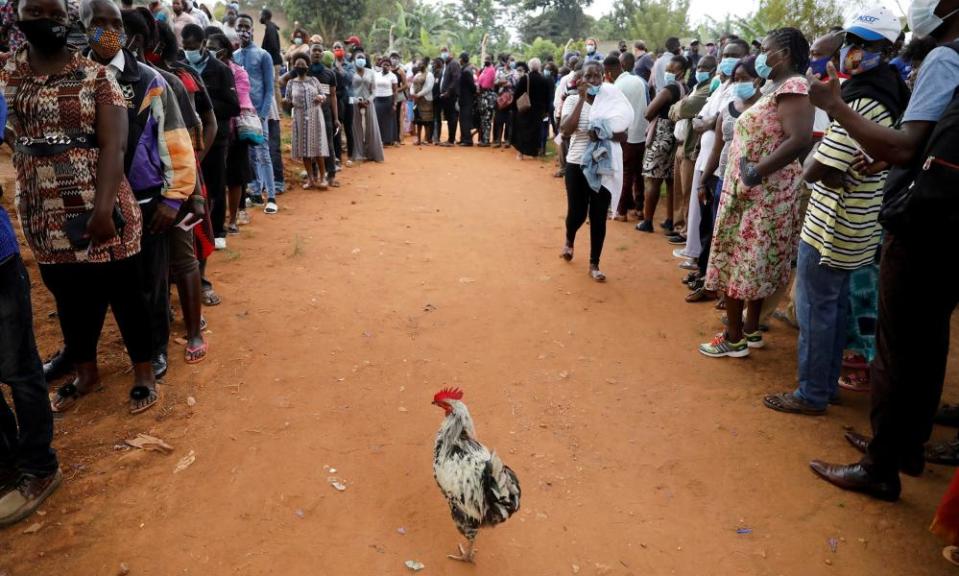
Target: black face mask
[
  {"x": 300, "y": 71},
  {"x": 44, "y": 35}
]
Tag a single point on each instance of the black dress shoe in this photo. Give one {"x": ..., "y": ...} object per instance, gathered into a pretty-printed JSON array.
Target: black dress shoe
[
  {"x": 645, "y": 226},
  {"x": 57, "y": 367},
  {"x": 855, "y": 478},
  {"x": 676, "y": 239},
  {"x": 861, "y": 442},
  {"x": 160, "y": 365}
]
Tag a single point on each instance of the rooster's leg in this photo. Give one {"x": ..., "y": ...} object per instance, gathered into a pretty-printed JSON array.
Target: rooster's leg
[{"x": 466, "y": 554}]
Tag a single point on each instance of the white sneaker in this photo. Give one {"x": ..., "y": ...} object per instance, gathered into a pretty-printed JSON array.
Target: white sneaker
[
  {"x": 679, "y": 253},
  {"x": 242, "y": 218},
  {"x": 271, "y": 207},
  {"x": 219, "y": 243}
]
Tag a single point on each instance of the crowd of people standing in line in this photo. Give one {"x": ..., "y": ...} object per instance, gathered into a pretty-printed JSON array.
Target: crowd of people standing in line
[
  {"x": 802, "y": 182},
  {"x": 774, "y": 157}
]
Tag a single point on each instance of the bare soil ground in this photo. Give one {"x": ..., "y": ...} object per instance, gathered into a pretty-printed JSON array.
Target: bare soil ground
[{"x": 347, "y": 311}]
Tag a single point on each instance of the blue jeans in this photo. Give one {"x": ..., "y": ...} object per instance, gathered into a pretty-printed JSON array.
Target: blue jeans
[
  {"x": 262, "y": 165},
  {"x": 822, "y": 300},
  {"x": 25, "y": 438}
]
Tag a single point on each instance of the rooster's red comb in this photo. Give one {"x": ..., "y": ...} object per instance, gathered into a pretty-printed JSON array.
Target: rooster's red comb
[{"x": 448, "y": 394}]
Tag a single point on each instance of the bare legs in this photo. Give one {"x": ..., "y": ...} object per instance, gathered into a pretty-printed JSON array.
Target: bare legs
[{"x": 735, "y": 327}]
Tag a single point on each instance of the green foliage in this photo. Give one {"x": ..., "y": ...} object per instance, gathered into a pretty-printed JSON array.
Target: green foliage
[
  {"x": 813, "y": 17},
  {"x": 329, "y": 18},
  {"x": 542, "y": 49},
  {"x": 656, "y": 20},
  {"x": 559, "y": 21}
]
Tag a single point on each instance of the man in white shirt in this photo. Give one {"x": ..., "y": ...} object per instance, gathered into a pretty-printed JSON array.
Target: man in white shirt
[
  {"x": 634, "y": 148},
  {"x": 199, "y": 15},
  {"x": 658, "y": 78}
]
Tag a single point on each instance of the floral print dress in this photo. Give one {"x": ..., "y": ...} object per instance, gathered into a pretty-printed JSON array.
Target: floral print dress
[{"x": 756, "y": 236}]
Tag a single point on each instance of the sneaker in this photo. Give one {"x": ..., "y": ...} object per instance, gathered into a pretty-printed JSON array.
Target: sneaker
[
  {"x": 720, "y": 347},
  {"x": 689, "y": 264},
  {"x": 754, "y": 340},
  {"x": 680, "y": 253},
  {"x": 667, "y": 225},
  {"x": 220, "y": 243},
  {"x": 645, "y": 226},
  {"x": 242, "y": 218},
  {"x": 677, "y": 240},
  {"x": 232, "y": 229},
  {"x": 271, "y": 207},
  {"x": 29, "y": 494},
  {"x": 247, "y": 203}
]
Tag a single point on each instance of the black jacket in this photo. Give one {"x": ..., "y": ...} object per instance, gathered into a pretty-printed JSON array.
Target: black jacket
[
  {"x": 450, "y": 81},
  {"x": 271, "y": 43},
  {"x": 467, "y": 84},
  {"x": 221, "y": 87}
]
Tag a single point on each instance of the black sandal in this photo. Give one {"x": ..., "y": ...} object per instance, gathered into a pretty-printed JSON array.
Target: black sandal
[
  {"x": 691, "y": 277},
  {"x": 788, "y": 403},
  {"x": 67, "y": 396},
  {"x": 141, "y": 394}
]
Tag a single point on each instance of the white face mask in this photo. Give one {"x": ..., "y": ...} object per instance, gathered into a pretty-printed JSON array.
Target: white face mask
[{"x": 922, "y": 17}]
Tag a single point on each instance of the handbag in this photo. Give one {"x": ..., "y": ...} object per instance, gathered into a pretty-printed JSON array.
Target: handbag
[
  {"x": 504, "y": 100},
  {"x": 522, "y": 103},
  {"x": 248, "y": 127}
]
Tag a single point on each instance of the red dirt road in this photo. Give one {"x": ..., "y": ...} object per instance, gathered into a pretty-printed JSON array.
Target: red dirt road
[{"x": 344, "y": 313}]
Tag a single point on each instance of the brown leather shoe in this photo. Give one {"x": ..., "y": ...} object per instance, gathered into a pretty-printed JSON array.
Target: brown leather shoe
[
  {"x": 28, "y": 495},
  {"x": 855, "y": 478}
]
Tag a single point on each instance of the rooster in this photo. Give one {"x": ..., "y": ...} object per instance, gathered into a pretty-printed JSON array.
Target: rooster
[{"x": 481, "y": 490}]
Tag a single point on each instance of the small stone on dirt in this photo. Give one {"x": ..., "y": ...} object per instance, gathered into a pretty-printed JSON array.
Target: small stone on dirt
[
  {"x": 338, "y": 485},
  {"x": 190, "y": 401},
  {"x": 414, "y": 565},
  {"x": 34, "y": 528},
  {"x": 300, "y": 513},
  {"x": 124, "y": 569},
  {"x": 401, "y": 531},
  {"x": 575, "y": 569}
]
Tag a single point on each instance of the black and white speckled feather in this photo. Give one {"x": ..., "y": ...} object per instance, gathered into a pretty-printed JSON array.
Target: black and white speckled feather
[{"x": 480, "y": 489}]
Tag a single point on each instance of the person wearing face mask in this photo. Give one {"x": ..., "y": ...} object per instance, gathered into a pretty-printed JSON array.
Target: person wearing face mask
[
  {"x": 385, "y": 85},
  {"x": 344, "y": 91},
  {"x": 221, "y": 88},
  {"x": 259, "y": 67},
  {"x": 907, "y": 373},
  {"x": 309, "y": 128},
  {"x": 367, "y": 144},
  {"x": 55, "y": 91},
  {"x": 755, "y": 236},
  {"x": 466, "y": 99},
  {"x": 528, "y": 124},
  {"x": 841, "y": 231},
  {"x": 592, "y": 54},
  {"x": 486, "y": 101},
  {"x": 159, "y": 162},
  {"x": 635, "y": 91},
  {"x": 657, "y": 78},
  {"x": 744, "y": 84},
  {"x": 596, "y": 118},
  {"x": 658, "y": 158},
  {"x": 698, "y": 237},
  {"x": 685, "y": 214},
  {"x": 449, "y": 95},
  {"x": 189, "y": 249}
]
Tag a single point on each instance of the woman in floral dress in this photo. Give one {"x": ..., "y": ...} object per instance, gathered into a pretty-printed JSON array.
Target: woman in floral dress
[
  {"x": 309, "y": 128},
  {"x": 755, "y": 239}
]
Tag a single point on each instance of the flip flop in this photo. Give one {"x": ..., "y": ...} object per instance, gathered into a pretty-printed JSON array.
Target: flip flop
[
  {"x": 142, "y": 393},
  {"x": 951, "y": 553},
  {"x": 195, "y": 354},
  {"x": 210, "y": 298},
  {"x": 787, "y": 402},
  {"x": 67, "y": 396},
  {"x": 856, "y": 382}
]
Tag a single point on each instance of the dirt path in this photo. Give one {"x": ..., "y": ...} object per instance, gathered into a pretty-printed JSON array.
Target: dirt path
[{"x": 343, "y": 315}]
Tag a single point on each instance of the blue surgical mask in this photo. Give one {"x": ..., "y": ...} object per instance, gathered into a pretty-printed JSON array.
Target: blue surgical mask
[
  {"x": 669, "y": 77},
  {"x": 701, "y": 76},
  {"x": 445, "y": 55},
  {"x": 744, "y": 90},
  {"x": 762, "y": 68},
  {"x": 855, "y": 60},
  {"x": 593, "y": 90},
  {"x": 360, "y": 62},
  {"x": 193, "y": 56},
  {"x": 714, "y": 84},
  {"x": 818, "y": 66},
  {"x": 298, "y": 41},
  {"x": 727, "y": 65}
]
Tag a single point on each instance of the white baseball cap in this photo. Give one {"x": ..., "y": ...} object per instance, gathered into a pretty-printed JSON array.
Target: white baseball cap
[{"x": 875, "y": 24}]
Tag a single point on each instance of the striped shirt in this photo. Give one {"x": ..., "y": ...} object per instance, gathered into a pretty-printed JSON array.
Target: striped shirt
[
  {"x": 580, "y": 138},
  {"x": 842, "y": 224}
]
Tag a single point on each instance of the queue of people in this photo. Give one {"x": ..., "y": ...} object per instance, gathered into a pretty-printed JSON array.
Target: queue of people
[{"x": 794, "y": 175}]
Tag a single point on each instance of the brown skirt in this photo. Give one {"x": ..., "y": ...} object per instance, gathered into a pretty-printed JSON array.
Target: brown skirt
[{"x": 423, "y": 112}]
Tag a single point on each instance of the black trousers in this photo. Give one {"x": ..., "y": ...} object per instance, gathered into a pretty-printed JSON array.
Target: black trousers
[
  {"x": 707, "y": 213},
  {"x": 330, "y": 161},
  {"x": 912, "y": 344},
  {"x": 24, "y": 438},
  {"x": 155, "y": 276},
  {"x": 581, "y": 201},
  {"x": 214, "y": 176},
  {"x": 501, "y": 124},
  {"x": 84, "y": 291},
  {"x": 448, "y": 108},
  {"x": 466, "y": 118}
]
